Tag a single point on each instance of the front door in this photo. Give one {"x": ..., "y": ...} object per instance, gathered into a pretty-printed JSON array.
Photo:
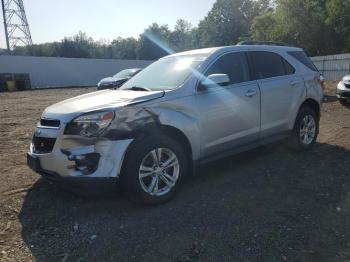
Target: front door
[{"x": 230, "y": 115}]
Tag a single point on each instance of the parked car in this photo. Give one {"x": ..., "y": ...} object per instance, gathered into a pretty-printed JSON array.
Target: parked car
[
  {"x": 117, "y": 80},
  {"x": 181, "y": 111},
  {"x": 343, "y": 91}
]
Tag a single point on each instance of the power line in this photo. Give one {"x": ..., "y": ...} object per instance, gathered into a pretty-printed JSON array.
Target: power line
[{"x": 16, "y": 25}]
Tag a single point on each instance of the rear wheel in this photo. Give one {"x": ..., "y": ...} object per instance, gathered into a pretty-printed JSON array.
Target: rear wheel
[
  {"x": 306, "y": 129},
  {"x": 154, "y": 169}
]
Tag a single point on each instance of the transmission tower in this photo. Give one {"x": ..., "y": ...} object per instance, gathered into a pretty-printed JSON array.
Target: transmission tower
[{"x": 16, "y": 25}]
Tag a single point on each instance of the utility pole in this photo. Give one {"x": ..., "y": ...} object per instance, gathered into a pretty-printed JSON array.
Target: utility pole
[{"x": 15, "y": 23}]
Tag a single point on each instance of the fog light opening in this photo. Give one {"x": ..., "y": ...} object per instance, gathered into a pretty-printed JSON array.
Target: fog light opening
[{"x": 86, "y": 164}]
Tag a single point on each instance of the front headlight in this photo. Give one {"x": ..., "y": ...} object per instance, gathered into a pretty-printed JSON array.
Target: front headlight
[{"x": 90, "y": 125}]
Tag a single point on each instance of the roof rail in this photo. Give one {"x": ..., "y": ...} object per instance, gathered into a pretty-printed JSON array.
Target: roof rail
[{"x": 264, "y": 43}]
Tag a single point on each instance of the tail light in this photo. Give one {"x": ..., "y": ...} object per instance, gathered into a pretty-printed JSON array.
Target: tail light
[{"x": 320, "y": 79}]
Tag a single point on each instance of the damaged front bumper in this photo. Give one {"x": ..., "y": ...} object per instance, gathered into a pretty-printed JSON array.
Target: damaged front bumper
[{"x": 75, "y": 159}]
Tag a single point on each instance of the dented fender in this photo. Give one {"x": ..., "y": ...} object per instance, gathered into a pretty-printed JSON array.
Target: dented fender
[{"x": 130, "y": 121}]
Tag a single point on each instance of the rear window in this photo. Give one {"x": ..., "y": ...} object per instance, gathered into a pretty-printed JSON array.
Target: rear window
[
  {"x": 289, "y": 69},
  {"x": 268, "y": 64},
  {"x": 304, "y": 59}
]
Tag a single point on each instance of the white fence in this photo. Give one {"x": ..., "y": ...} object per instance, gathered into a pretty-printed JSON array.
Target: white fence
[
  {"x": 64, "y": 72},
  {"x": 333, "y": 67}
]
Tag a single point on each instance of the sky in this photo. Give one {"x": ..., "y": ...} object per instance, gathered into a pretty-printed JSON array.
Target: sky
[{"x": 52, "y": 20}]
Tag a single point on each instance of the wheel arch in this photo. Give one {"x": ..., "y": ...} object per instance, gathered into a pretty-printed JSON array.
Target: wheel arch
[
  {"x": 166, "y": 130},
  {"x": 313, "y": 104},
  {"x": 310, "y": 103}
]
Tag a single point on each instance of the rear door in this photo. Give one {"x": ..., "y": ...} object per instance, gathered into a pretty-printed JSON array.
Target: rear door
[{"x": 281, "y": 91}]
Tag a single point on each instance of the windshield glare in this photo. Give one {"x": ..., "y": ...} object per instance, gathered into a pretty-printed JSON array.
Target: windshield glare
[
  {"x": 166, "y": 73},
  {"x": 126, "y": 73}
]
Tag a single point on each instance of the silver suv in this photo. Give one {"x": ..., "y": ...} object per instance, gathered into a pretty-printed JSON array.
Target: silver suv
[{"x": 181, "y": 111}]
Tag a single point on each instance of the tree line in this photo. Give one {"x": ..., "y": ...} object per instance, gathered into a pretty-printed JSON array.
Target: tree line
[{"x": 321, "y": 27}]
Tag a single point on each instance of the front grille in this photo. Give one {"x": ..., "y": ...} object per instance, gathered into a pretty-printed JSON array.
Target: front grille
[
  {"x": 50, "y": 122},
  {"x": 43, "y": 145},
  {"x": 347, "y": 95}
]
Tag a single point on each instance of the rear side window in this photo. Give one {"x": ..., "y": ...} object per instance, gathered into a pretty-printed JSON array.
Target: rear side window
[
  {"x": 268, "y": 64},
  {"x": 234, "y": 65},
  {"x": 304, "y": 59}
]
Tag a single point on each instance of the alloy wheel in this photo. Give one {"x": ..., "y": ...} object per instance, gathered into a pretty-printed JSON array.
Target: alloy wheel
[
  {"x": 307, "y": 130},
  {"x": 159, "y": 171}
]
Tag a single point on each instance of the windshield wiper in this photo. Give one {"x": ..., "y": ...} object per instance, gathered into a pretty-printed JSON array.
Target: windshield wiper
[{"x": 138, "y": 88}]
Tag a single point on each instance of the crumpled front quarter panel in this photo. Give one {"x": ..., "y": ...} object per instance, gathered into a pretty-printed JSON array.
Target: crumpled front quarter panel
[{"x": 177, "y": 113}]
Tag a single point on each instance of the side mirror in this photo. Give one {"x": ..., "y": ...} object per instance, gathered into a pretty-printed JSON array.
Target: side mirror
[{"x": 215, "y": 80}]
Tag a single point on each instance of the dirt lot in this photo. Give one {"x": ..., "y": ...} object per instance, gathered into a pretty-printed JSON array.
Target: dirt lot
[{"x": 269, "y": 204}]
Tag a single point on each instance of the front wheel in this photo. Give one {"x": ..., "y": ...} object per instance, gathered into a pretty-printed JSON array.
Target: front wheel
[
  {"x": 306, "y": 129},
  {"x": 154, "y": 169}
]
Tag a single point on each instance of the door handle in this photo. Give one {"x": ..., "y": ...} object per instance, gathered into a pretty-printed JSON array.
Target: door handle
[{"x": 251, "y": 93}]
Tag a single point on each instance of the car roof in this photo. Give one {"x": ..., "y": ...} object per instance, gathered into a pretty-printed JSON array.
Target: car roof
[
  {"x": 203, "y": 51},
  {"x": 209, "y": 51}
]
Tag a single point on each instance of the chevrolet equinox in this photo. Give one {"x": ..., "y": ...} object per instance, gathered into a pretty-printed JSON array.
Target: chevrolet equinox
[{"x": 181, "y": 111}]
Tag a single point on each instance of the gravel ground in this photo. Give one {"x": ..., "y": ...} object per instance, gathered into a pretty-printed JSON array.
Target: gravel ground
[{"x": 269, "y": 204}]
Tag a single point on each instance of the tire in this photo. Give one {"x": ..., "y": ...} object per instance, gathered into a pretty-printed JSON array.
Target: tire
[
  {"x": 344, "y": 102},
  {"x": 145, "y": 153},
  {"x": 304, "y": 136}
]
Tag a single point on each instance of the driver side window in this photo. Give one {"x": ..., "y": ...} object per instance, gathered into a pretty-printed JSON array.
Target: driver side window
[{"x": 234, "y": 65}]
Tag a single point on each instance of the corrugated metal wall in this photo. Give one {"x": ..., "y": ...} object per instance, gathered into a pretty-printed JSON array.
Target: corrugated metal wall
[
  {"x": 333, "y": 67},
  {"x": 63, "y": 72}
]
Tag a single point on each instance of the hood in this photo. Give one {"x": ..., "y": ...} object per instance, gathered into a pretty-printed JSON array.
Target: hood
[{"x": 70, "y": 108}]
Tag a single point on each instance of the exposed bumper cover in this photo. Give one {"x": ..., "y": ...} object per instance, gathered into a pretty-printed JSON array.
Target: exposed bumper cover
[
  {"x": 72, "y": 182},
  {"x": 70, "y": 153}
]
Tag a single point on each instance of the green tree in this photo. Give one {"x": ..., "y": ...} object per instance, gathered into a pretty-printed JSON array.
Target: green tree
[
  {"x": 263, "y": 27},
  {"x": 298, "y": 22},
  {"x": 338, "y": 17},
  {"x": 180, "y": 38},
  {"x": 319, "y": 26},
  {"x": 124, "y": 48},
  {"x": 154, "y": 43},
  {"x": 228, "y": 21}
]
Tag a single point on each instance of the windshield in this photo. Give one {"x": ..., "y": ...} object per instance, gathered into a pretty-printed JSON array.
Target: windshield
[
  {"x": 166, "y": 73},
  {"x": 126, "y": 73}
]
